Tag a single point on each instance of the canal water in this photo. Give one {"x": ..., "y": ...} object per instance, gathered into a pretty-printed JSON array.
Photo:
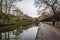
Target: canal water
[{"x": 27, "y": 32}]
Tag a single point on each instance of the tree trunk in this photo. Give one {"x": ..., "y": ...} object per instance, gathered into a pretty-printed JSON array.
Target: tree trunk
[
  {"x": 54, "y": 14},
  {"x": 9, "y": 11},
  {"x": 1, "y": 6},
  {"x": 6, "y": 7},
  {"x": 53, "y": 22}
]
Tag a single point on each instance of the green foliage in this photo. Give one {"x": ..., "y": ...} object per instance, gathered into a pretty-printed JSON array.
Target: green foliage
[
  {"x": 13, "y": 20},
  {"x": 8, "y": 18},
  {"x": 24, "y": 20}
]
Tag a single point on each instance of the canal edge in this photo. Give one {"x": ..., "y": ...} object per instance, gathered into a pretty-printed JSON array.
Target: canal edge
[{"x": 40, "y": 34}]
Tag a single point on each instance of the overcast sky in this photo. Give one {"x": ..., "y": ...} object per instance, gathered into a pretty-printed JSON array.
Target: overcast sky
[{"x": 27, "y": 6}]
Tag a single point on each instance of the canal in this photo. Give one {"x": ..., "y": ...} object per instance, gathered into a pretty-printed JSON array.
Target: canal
[{"x": 27, "y": 32}]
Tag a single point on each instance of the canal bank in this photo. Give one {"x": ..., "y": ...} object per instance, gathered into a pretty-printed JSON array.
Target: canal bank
[{"x": 39, "y": 35}]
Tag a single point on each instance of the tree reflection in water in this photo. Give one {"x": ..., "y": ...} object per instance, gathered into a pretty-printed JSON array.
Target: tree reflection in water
[{"x": 6, "y": 33}]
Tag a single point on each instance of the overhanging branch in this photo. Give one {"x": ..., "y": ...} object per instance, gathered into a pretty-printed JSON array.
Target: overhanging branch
[
  {"x": 54, "y": 2},
  {"x": 47, "y": 3}
]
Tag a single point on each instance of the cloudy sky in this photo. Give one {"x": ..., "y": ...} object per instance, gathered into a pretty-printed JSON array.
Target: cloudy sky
[{"x": 27, "y": 6}]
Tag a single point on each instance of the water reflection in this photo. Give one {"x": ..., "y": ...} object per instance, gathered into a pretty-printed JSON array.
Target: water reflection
[{"x": 27, "y": 32}]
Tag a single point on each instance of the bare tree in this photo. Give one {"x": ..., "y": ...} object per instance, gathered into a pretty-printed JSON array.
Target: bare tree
[
  {"x": 11, "y": 4},
  {"x": 8, "y": 4},
  {"x": 54, "y": 5}
]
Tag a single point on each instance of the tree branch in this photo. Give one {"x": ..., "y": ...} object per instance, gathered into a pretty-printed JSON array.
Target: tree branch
[
  {"x": 54, "y": 2},
  {"x": 47, "y": 3}
]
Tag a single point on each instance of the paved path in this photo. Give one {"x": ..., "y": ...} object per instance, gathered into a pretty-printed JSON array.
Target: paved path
[
  {"x": 38, "y": 37},
  {"x": 49, "y": 32}
]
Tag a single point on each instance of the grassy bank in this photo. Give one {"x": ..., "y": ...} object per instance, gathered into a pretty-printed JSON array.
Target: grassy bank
[{"x": 9, "y": 19}]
